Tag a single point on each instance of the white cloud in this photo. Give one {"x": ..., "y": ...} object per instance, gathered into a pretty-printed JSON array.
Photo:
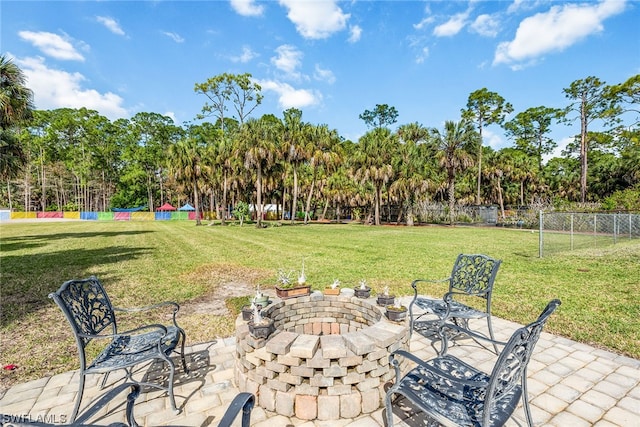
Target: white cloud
[
  {"x": 486, "y": 25},
  {"x": 60, "y": 89},
  {"x": 316, "y": 19},
  {"x": 290, "y": 97},
  {"x": 289, "y": 59},
  {"x": 246, "y": 55},
  {"x": 422, "y": 55},
  {"x": 111, "y": 24},
  {"x": 52, "y": 45},
  {"x": 555, "y": 30},
  {"x": 426, "y": 21},
  {"x": 452, "y": 26},
  {"x": 172, "y": 115},
  {"x": 492, "y": 139},
  {"x": 247, "y": 7},
  {"x": 557, "y": 152},
  {"x": 355, "y": 33},
  {"x": 324, "y": 75},
  {"x": 174, "y": 36}
]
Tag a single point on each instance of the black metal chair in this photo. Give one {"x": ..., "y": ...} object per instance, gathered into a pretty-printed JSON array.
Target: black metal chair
[
  {"x": 451, "y": 392},
  {"x": 472, "y": 276},
  {"x": 242, "y": 402},
  {"x": 92, "y": 317}
]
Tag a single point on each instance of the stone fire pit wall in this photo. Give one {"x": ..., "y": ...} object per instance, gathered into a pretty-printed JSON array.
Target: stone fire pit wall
[{"x": 327, "y": 359}]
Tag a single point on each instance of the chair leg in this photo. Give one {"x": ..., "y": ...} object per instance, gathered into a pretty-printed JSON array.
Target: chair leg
[
  {"x": 76, "y": 407},
  {"x": 172, "y": 371},
  {"x": 493, "y": 339},
  {"x": 389, "y": 411},
  {"x": 525, "y": 399}
]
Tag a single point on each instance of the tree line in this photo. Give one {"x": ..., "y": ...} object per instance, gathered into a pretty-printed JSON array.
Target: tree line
[{"x": 77, "y": 159}]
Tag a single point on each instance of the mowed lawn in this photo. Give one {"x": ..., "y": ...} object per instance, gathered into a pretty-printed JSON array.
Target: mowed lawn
[{"x": 145, "y": 262}]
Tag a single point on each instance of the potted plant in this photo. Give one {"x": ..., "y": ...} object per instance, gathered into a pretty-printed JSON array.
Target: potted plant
[
  {"x": 286, "y": 288},
  {"x": 384, "y": 298},
  {"x": 396, "y": 312},
  {"x": 362, "y": 291},
  {"x": 260, "y": 298},
  {"x": 247, "y": 312},
  {"x": 333, "y": 289},
  {"x": 260, "y": 327}
]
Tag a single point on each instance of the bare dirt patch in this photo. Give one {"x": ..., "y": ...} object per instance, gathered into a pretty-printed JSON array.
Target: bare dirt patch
[{"x": 223, "y": 281}]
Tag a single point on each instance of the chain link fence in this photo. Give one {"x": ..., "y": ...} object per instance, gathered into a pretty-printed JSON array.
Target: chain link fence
[{"x": 566, "y": 231}]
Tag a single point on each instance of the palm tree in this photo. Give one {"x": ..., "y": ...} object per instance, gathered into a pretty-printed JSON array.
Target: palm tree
[
  {"x": 294, "y": 135},
  {"x": 454, "y": 148},
  {"x": 187, "y": 166},
  {"x": 373, "y": 162},
  {"x": 16, "y": 105},
  {"x": 411, "y": 182},
  {"x": 16, "y": 100},
  {"x": 258, "y": 139},
  {"x": 322, "y": 153}
]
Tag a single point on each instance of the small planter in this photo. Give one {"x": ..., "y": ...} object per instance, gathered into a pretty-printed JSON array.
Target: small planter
[
  {"x": 332, "y": 291},
  {"x": 384, "y": 300},
  {"x": 396, "y": 314},
  {"x": 346, "y": 292},
  {"x": 261, "y": 330},
  {"x": 261, "y": 300},
  {"x": 362, "y": 292},
  {"x": 297, "y": 291},
  {"x": 247, "y": 312}
]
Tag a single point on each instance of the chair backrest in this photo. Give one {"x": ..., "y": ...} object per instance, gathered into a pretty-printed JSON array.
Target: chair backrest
[
  {"x": 510, "y": 370},
  {"x": 474, "y": 274},
  {"x": 87, "y": 308}
]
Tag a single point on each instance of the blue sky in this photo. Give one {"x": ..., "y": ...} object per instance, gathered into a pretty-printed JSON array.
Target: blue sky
[{"x": 331, "y": 59}]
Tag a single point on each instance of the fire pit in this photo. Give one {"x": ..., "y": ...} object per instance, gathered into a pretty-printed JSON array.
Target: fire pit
[{"x": 327, "y": 359}]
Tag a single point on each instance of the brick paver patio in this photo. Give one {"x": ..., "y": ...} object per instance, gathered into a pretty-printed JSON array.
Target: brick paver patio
[{"x": 570, "y": 384}]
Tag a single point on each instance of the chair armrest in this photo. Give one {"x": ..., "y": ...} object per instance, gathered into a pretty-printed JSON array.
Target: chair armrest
[
  {"x": 414, "y": 285},
  {"x": 129, "y": 332},
  {"x": 242, "y": 401}
]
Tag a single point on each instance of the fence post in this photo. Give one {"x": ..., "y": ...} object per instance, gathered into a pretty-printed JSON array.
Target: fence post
[
  {"x": 540, "y": 239},
  {"x": 571, "y": 231}
]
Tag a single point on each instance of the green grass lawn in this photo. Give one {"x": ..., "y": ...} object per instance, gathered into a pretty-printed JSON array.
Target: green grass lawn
[{"x": 144, "y": 262}]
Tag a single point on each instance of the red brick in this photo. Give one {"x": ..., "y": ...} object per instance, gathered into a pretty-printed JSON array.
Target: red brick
[{"x": 306, "y": 407}]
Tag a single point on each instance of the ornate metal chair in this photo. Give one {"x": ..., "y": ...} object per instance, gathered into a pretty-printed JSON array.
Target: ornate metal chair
[
  {"x": 472, "y": 276},
  {"x": 451, "y": 392},
  {"x": 92, "y": 317},
  {"x": 242, "y": 402}
]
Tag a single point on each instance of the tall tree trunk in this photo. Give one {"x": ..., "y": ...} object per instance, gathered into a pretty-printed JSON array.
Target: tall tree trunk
[
  {"x": 224, "y": 197},
  {"x": 294, "y": 202},
  {"x": 500, "y": 200},
  {"x": 308, "y": 207},
  {"x": 196, "y": 196},
  {"x": 583, "y": 154},
  {"x": 259, "y": 197},
  {"x": 377, "y": 203},
  {"x": 479, "y": 166},
  {"x": 326, "y": 206},
  {"x": 452, "y": 199},
  {"x": 9, "y": 194}
]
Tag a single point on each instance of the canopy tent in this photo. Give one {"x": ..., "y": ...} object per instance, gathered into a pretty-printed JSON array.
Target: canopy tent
[
  {"x": 166, "y": 207},
  {"x": 187, "y": 207}
]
